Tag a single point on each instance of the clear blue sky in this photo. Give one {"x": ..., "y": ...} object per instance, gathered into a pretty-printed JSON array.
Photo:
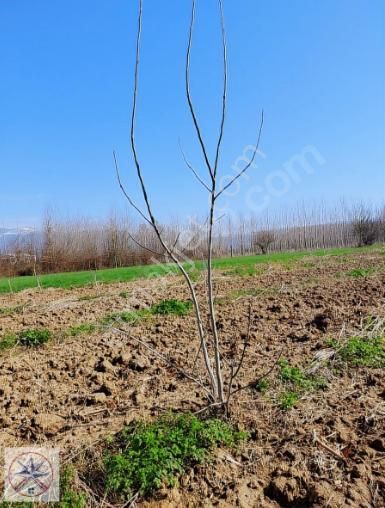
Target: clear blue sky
[{"x": 316, "y": 67}]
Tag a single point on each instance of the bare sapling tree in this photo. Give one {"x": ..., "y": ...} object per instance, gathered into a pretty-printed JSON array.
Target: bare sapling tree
[
  {"x": 365, "y": 227},
  {"x": 263, "y": 240},
  {"x": 219, "y": 374}
]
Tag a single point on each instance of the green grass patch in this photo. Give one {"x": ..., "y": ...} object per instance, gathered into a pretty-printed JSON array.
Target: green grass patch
[
  {"x": 149, "y": 455},
  {"x": 126, "y": 316},
  {"x": 245, "y": 292},
  {"x": 361, "y": 351},
  {"x": 246, "y": 264},
  {"x": 241, "y": 271},
  {"x": 308, "y": 264},
  {"x": 30, "y": 338},
  {"x": 195, "y": 273},
  {"x": 176, "y": 307},
  {"x": 361, "y": 272},
  {"x": 82, "y": 329},
  {"x": 165, "y": 307}
]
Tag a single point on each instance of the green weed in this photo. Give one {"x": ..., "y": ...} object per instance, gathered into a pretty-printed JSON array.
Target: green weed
[
  {"x": 262, "y": 386},
  {"x": 29, "y": 337},
  {"x": 297, "y": 382},
  {"x": 33, "y": 337},
  {"x": 362, "y": 351},
  {"x": 173, "y": 306},
  {"x": 154, "y": 454},
  {"x": 360, "y": 272},
  {"x": 8, "y": 341},
  {"x": 287, "y": 400},
  {"x": 165, "y": 307},
  {"x": 83, "y": 328},
  {"x": 126, "y": 316},
  {"x": 70, "y": 497},
  {"x": 298, "y": 378}
]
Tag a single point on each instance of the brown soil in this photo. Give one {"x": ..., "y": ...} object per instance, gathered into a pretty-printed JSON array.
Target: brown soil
[{"x": 76, "y": 391}]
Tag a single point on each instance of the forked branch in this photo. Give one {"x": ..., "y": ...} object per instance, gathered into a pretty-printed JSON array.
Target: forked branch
[{"x": 243, "y": 171}]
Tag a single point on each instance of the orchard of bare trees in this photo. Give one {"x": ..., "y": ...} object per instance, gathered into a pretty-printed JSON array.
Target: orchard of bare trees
[{"x": 82, "y": 244}]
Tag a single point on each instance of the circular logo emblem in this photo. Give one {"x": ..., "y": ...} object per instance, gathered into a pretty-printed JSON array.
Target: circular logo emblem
[{"x": 30, "y": 474}]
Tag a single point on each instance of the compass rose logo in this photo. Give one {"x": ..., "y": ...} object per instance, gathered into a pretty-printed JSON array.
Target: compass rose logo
[{"x": 30, "y": 474}]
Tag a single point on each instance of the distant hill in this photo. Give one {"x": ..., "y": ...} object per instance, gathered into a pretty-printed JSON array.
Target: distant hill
[{"x": 9, "y": 238}]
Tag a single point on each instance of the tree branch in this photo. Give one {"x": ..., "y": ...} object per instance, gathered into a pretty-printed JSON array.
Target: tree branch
[
  {"x": 222, "y": 123},
  {"x": 188, "y": 95},
  {"x": 247, "y": 165},
  {"x": 200, "y": 180},
  {"x": 256, "y": 381},
  {"x": 123, "y": 189}
]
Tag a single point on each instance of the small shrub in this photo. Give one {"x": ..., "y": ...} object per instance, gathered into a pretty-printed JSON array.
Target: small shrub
[
  {"x": 83, "y": 328},
  {"x": 33, "y": 337},
  {"x": 154, "y": 454},
  {"x": 363, "y": 352},
  {"x": 124, "y": 294},
  {"x": 173, "y": 306},
  {"x": 287, "y": 400}
]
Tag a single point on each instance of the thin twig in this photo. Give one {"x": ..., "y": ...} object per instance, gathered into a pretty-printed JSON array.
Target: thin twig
[
  {"x": 191, "y": 168},
  {"x": 328, "y": 448},
  {"x": 234, "y": 374},
  {"x": 123, "y": 189},
  {"x": 256, "y": 381}
]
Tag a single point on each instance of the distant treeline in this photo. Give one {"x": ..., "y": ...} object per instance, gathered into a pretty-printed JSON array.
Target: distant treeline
[{"x": 81, "y": 244}]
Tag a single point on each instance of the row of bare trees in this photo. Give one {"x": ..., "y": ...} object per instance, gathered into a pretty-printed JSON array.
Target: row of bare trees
[{"x": 85, "y": 245}]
